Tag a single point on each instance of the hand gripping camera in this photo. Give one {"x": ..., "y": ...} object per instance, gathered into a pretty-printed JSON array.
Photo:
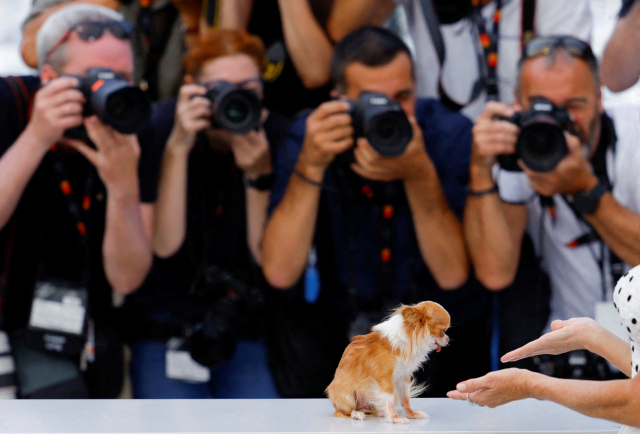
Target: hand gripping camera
[
  {"x": 382, "y": 121},
  {"x": 541, "y": 144},
  {"x": 235, "y": 109},
  {"x": 122, "y": 106}
]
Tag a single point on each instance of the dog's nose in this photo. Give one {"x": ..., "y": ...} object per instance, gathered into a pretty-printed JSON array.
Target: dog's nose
[{"x": 446, "y": 340}]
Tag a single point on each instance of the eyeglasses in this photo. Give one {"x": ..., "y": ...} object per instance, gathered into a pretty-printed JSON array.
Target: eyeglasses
[
  {"x": 254, "y": 84},
  {"x": 546, "y": 45},
  {"x": 91, "y": 31}
]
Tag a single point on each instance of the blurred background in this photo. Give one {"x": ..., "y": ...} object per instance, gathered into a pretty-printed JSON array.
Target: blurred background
[{"x": 13, "y": 13}]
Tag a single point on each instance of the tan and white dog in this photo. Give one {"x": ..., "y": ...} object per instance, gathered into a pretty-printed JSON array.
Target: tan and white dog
[{"x": 375, "y": 370}]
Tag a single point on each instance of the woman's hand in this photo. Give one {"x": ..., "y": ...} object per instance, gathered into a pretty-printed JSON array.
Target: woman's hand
[
  {"x": 496, "y": 388},
  {"x": 569, "y": 335},
  {"x": 193, "y": 114}
]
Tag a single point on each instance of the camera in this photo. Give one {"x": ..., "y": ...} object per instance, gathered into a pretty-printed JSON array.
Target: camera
[
  {"x": 577, "y": 364},
  {"x": 541, "y": 144},
  {"x": 122, "y": 106},
  {"x": 213, "y": 339},
  {"x": 235, "y": 109},
  {"x": 382, "y": 121}
]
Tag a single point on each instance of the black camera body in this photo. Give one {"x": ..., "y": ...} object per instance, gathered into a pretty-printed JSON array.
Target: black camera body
[
  {"x": 118, "y": 103},
  {"x": 382, "y": 121},
  {"x": 235, "y": 109},
  {"x": 213, "y": 340},
  {"x": 541, "y": 144}
]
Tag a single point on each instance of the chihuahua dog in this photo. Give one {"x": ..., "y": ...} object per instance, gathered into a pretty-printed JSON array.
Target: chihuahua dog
[{"x": 374, "y": 374}]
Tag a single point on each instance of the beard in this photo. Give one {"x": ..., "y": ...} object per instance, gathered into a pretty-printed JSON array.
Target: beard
[{"x": 589, "y": 138}]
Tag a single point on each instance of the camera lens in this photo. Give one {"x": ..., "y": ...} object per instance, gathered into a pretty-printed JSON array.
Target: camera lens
[
  {"x": 389, "y": 132},
  {"x": 385, "y": 128},
  {"x": 118, "y": 105},
  {"x": 236, "y": 111},
  {"x": 542, "y": 146}
]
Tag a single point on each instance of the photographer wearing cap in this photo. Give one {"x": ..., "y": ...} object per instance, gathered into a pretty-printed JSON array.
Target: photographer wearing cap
[
  {"x": 564, "y": 177},
  {"x": 371, "y": 184},
  {"x": 205, "y": 293},
  {"x": 70, "y": 208}
]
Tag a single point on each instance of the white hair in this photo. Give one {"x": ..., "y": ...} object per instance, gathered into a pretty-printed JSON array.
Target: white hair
[{"x": 56, "y": 25}]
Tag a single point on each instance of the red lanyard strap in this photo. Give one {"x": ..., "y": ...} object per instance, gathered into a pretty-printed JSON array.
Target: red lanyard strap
[
  {"x": 79, "y": 212},
  {"x": 489, "y": 46}
]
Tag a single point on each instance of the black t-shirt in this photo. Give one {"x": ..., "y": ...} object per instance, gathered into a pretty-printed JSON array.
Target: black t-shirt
[
  {"x": 286, "y": 93},
  {"x": 41, "y": 240},
  {"x": 216, "y": 235}
]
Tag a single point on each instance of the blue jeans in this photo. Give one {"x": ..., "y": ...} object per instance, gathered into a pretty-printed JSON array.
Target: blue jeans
[{"x": 246, "y": 375}]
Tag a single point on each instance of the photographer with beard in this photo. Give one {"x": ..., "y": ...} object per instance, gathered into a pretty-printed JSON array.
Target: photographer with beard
[
  {"x": 205, "y": 287},
  {"x": 378, "y": 230},
  {"x": 73, "y": 225},
  {"x": 572, "y": 188}
]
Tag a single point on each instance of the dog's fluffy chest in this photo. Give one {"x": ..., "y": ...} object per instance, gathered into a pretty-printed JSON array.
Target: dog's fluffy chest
[{"x": 406, "y": 367}]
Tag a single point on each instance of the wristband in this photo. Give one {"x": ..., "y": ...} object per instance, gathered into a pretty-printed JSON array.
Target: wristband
[
  {"x": 261, "y": 183},
  {"x": 482, "y": 193},
  {"x": 586, "y": 202}
]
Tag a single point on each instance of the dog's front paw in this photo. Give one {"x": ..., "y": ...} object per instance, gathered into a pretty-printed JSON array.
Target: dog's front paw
[
  {"x": 417, "y": 415},
  {"x": 399, "y": 419},
  {"x": 357, "y": 415}
]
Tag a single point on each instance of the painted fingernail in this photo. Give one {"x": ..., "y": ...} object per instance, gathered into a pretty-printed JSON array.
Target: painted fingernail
[{"x": 461, "y": 387}]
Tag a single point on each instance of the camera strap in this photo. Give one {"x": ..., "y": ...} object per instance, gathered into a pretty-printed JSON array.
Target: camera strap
[
  {"x": 59, "y": 321},
  {"x": 156, "y": 28},
  {"x": 607, "y": 143},
  {"x": 78, "y": 210},
  {"x": 485, "y": 43}
]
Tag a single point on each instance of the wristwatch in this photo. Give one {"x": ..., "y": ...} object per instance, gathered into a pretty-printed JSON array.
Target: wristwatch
[
  {"x": 587, "y": 201},
  {"x": 261, "y": 183}
]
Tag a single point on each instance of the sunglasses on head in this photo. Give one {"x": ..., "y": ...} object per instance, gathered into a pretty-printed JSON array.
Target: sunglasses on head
[
  {"x": 546, "y": 45},
  {"x": 91, "y": 31}
]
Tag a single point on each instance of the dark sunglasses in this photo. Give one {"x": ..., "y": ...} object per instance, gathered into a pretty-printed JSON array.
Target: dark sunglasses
[
  {"x": 546, "y": 45},
  {"x": 91, "y": 31}
]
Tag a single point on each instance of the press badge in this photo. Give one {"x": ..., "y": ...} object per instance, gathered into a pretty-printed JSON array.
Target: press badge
[
  {"x": 58, "y": 308},
  {"x": 180, "y": 365}
]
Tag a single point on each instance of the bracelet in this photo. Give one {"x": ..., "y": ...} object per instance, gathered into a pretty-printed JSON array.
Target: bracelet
[
  {"x": 307, "y": 180},
  {"x": 482, "y": 193}
]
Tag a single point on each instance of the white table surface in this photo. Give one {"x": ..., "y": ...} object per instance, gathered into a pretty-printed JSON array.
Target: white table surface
[{"x": 281, "y": 416}]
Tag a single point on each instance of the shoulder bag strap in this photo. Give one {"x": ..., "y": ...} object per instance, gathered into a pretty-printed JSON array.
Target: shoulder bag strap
[{"x": 528, "y": 18}]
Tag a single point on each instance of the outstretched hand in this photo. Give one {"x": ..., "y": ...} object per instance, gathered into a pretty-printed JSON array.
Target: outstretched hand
[
  {"x": 565, "y": 336},
  {"x": 496, "y": 388}
]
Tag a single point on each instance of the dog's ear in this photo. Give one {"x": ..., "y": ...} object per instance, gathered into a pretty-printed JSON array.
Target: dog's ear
[{"x": 411, "y": 315}]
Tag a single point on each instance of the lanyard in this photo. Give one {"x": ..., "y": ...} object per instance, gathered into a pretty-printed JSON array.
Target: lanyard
[
  {"x": 79, "y": 212},
  {"x": 488, "y": 44}
]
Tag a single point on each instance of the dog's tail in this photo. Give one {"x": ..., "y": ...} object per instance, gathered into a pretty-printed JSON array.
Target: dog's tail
[
  {"x": 340, "y": 413},
  {"x": 343, "y": 401},
  {"x": 417, "y": 388}
]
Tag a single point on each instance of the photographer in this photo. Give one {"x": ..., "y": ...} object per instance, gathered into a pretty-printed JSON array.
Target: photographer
[
  {"x": 73, "y": 224},
  {"x": 575, "y": 193},
  {"x": 384, "y": 228},
  {"x": 213, "y": 192},
  {"x": 466, "y": 52}
]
